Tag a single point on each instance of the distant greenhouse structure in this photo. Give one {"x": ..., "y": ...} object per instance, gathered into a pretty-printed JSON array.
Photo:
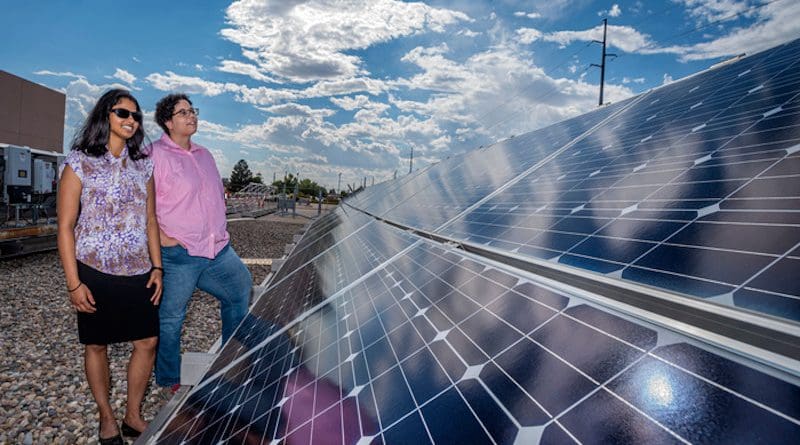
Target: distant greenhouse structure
[{"x": 252, "y": 200}]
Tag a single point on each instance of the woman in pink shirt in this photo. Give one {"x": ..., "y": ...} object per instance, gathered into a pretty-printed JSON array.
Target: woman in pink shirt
[
  {"x": 195, "y": 245},
  {"x": 109, "y": 247}
]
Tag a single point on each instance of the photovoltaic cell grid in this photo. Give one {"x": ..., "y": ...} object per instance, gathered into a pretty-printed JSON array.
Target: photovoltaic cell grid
[
  {"x": 454, "y": 185},
  {"x": 377, "y": 200},
  {"x": 382, "y": 196},
  {"x": 312, "y": 282},
  {"x": 694, "y": 189},
  {"x": 438, "y": 348},
  {"x": 322, "y": 234}
]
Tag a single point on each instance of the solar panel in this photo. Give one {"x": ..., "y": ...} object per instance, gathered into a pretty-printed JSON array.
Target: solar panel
[
  {"x": 332, "y": 228},
  {"x": 313, "y": 280},
  {"x": 444, "y": 190},
  {"x": 694, "y": 189},
  {"x": 384, "y": 195},
  {"x": 429, "y": 309},
  {"x": 379, "y": 199},
  {"x": 438, "y": 347}
]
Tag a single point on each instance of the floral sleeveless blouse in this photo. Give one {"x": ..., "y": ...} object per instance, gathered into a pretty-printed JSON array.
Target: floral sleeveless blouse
[{"x": 111, "y": 232}]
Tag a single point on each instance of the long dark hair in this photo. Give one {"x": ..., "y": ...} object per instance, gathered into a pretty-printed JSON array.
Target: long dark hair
[{"x": 94, "y": 134}]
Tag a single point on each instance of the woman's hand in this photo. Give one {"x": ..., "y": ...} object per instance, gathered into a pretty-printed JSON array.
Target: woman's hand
[
  {"x": 155, "y": 279},
  {"x": 82, "y": 300}
]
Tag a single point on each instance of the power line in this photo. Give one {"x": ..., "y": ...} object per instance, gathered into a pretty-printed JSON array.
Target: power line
[
  {"x": 723, "y": 19},
  {"x": 701, "y": 27},
  {"x": 553, "y": 89},
  {"x": 504, "y": 103}
]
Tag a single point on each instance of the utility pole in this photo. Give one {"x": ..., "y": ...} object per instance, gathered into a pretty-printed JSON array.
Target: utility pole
[
  {"x": 282, "y": 202},
  {"x": 294, "y": 198},
  {"x": 339, "y": 187},
  {"x": 411, "y": 161},
  {"x": 602, "y": 65}
]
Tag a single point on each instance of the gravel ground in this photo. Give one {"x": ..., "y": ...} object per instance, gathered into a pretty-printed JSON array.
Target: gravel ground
[{"x": 44, "y": 397}]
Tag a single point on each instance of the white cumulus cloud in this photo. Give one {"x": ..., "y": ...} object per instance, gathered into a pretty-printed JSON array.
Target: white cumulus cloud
[
  {"x": 351, "y": 102},
  {"x": 774, "y": 23},
  {"x": 530, "y": 15},
  {"x": 245, "y": 69},
  {"x": 627, "y": 80},
  {"x": 170, "y": 81},
  {"x": 625, "y": 38},
  {"x": 497, "y": 93},
  {"x": 294, "y": 109},
  {"x": 713, "y": 10},
  {"x": 304, "y": 41},
  {"x": 528, "y": 35},
  {"x": 124, "y": 76}
]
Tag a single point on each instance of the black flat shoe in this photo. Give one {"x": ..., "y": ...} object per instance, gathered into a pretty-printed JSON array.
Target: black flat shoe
[
  {"x": 116, "y": 440},
  {"x": 129, "y": 431}
]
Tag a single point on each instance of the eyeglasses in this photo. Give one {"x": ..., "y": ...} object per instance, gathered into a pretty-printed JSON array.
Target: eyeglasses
[
  {"x": 186, "y": 112},
  {"x": 122, "y": 113}
]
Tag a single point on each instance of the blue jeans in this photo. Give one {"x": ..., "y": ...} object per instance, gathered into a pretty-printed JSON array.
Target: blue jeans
[{"x": 225, "y": 277}]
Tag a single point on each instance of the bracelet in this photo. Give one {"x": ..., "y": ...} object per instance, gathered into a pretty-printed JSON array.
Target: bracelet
[
  {"x": 157, "y": 268},
  {"x": 76, "y": 288}
]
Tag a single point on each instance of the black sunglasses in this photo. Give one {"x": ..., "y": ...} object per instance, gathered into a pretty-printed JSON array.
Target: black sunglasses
[{"x": 122, "y": 113}]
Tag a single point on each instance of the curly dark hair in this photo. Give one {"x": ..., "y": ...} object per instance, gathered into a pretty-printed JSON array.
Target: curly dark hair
[
  {"x": 93, "y": 136},
  {"x": 166, "y": 106}
]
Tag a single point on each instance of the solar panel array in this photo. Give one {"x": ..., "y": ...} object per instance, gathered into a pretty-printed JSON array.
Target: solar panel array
[
  {"x": 374, "y": 334},
  {"x": 438, "y": 194},
  {"x": 695, "y": 189}
]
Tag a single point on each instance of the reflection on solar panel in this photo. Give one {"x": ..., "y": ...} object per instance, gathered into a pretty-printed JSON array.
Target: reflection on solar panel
[
  {"x": 442, "y": 192},
  {"x": 375, "y": 334},
  {"x": 344, "y": 259},
  {"x": 331, "y": 229},
  {"x": 694, "y": 188}
]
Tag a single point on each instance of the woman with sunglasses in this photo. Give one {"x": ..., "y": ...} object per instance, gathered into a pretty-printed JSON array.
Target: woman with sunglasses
[{"x": 109, "y": 246}]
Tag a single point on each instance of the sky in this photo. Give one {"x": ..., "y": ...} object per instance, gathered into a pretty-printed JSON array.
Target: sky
[{"x": 321, "y": 88}]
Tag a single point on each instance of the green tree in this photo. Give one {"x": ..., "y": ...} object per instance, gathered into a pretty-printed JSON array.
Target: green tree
[
  {"x": 308, "y": 187},
  {"x": 289, "y": 180},
  {"x": 240, "y": 176},
  {"x": 305, "y": 187}
]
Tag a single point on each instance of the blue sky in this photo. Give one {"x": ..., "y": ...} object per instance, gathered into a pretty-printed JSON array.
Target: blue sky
[{"x": 323, "y": 87}]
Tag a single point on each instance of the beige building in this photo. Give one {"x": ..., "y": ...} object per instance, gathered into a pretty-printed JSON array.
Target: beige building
[{"x": 31, "y": 114}]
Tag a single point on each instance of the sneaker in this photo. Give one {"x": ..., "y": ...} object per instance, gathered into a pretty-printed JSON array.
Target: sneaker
[{"x": 166, "y": 393}]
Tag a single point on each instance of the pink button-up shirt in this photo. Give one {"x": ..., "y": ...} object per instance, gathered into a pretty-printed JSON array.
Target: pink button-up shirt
[{"x": 190, "y": 198}]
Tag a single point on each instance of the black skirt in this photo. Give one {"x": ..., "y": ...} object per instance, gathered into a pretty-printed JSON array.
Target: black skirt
[{"x": 124, "y": 310}]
